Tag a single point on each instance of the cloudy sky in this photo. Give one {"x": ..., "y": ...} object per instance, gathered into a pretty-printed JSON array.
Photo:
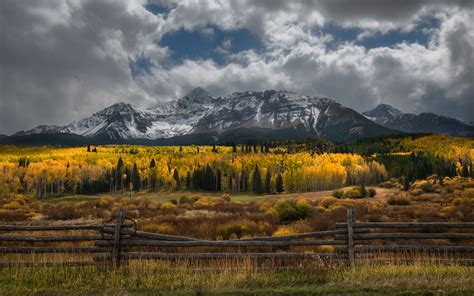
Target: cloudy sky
[{"x": 61, "y": 60}]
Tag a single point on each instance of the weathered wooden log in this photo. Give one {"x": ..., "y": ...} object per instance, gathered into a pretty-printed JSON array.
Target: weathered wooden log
[
  {"x": 414, "y": 248},
  {"x": 45, "y": 264},
  {"x": 117, "y": 239},
  {"x": 57, "y": 227},
  {"x": 229, "y": 243},
  {"x": 111, "y": 230},
  {"x": 151, "y": 235},
  {"x": 175, "y": 256},
  {"x": 374, "y": 236},
  {"x": 317, "y": 234},
  {"x": 415, "y": 260},
  {"x": 407, "y": 225},
  {"x": 52, "y": 238},
  {"x": 350, "y": 234},
  {"x": 165, "y": 237},
  {"x": 45, "y": 250},
  {"x": 48, "y": 228}
]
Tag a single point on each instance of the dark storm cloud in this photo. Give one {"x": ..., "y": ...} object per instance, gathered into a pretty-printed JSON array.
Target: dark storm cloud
[{"x": 64, "y": 59}]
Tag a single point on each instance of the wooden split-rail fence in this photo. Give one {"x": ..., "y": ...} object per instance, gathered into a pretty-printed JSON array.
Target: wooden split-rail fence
[{"x": 118, "y": 241}]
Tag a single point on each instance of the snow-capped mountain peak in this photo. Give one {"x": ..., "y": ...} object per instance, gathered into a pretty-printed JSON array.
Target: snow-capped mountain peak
[
  {"x": 382, "y": 112},
  {"x": 199, "y": 112}
]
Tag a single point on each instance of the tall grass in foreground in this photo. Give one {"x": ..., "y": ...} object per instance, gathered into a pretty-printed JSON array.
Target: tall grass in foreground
[{"x": 237, "y": 276}]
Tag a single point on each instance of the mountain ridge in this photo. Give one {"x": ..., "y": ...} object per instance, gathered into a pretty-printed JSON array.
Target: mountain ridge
[
  {"x": 424, "y": 122},
  {"x": 199, "y": 112}
]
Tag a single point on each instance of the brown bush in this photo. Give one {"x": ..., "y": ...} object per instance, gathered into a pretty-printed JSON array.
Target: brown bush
[
  {"x": 13, "y": 215},
  {"x": 63, "y": 211},
  {"x": 398, "y": 201}
]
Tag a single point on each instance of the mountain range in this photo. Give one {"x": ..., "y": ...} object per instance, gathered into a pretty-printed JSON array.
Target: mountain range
[
  {"x": 200, "y": 118},
  {"x": 425, "y": 122}
]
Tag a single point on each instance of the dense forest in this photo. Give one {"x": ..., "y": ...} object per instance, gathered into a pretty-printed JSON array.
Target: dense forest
[{"x": 267, "y": 168}]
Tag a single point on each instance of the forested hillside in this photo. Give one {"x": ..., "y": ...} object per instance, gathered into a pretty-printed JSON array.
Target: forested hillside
[{"x": 270, "y": 168}]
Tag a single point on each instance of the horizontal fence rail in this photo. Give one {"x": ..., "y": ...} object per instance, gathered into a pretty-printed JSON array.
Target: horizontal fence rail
[{"x": 117, "y": 241}]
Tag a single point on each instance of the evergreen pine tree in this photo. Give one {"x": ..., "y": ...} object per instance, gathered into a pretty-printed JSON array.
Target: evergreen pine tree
[
  {"x": 176, "y": 178},
  {"x": 257, "y": 181},
  {"x": 268, "y": 179},
  {"x": 279, "y": 183},
  {"x": 152, "y": 175},
  {"x": 188, "y": 181},
  {"x": 118, "y": 175},
  {"x": 218, "y": 177},
  {"x": 88, "y": 148},
  {"x": 465, "y": 170},
  {"x": 136, "y": 182}
]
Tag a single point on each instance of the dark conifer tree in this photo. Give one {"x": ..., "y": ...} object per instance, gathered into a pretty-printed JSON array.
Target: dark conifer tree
[
  {"x": 118, "y": 175},
  {"x": 218, "y": 178},
  {"x": 176, "y": 178},
  {"x": 257, "y": 181},
  {"x": 465, "y": 170},
  {"x": 136, "y": 181},
  {"x": 188, "y": 180},
  {"x": 128, "y": 179},
  {"x": 279, "y": 183},
  {"x": 268, "y": 179}
]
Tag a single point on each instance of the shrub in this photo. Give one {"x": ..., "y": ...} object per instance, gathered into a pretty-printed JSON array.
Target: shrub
[
  {"x": 428, "y": 187},
  {"x": 372, "y": 192},
  {"x": 354, "y": 192},
  {"x": 13, "y": 215},
  {"x": 105, "y": 202},
  {"x": 14, "y": 205},
  {"x": 165, "y": 228},
  {"x": 168, "y": 207},
  {"x": 63, "y": 211},
  {"x": 398, "y": 201},
  {"x": 184, "y": 200},
  {"x": 389, "y": 184},
  {"x": 289, "y": 210},
  {"x": 338, "y": 194},
  {"x": 226, "y": 197},
  {"x": 469, "y": 193}
]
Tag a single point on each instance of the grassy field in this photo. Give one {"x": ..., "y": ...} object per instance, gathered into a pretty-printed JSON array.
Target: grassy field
[
  {"x": 239, "y": 278},
  {"x": 161, "y": 197}
]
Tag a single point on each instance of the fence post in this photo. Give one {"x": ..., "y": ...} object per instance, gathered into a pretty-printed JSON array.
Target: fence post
[
  {"x": 118, "y": 227},
  {"x": 350, "y": 233}
]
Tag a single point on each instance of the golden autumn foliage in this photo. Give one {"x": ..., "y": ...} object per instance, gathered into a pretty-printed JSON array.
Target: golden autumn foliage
[{"x": 54, "y": 171}]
